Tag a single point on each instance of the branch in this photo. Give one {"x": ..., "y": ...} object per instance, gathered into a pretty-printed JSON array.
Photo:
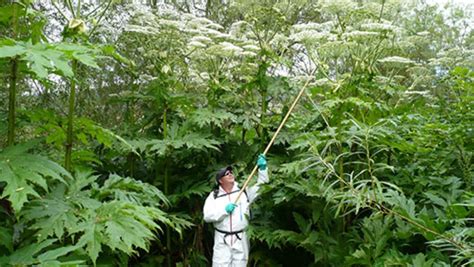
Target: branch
[
  {"x": 59, "y": 10},
  {"x": 100, "y": 18},
  {"x": 381, "y": 10},
  {"x": 387, "y": 211},
  {"x": 94, "y": 10},
  {"x": 71, "y": 8}
]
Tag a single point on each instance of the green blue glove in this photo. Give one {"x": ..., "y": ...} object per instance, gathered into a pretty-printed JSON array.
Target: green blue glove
[
  {"x": 262, "y": 162},
  {"x": 230, "y": 207}
]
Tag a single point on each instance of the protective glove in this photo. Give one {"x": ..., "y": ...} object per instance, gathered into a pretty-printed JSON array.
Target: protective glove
[
  {"x": 262, "y": 162},
  {"x": 230, "y": 208}
]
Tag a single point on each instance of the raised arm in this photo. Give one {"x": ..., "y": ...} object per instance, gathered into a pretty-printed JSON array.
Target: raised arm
[{"x": 261, "y": 179}]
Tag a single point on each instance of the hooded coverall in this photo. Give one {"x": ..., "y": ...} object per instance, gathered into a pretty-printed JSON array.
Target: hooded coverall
[{"x": 231, "y": 244}]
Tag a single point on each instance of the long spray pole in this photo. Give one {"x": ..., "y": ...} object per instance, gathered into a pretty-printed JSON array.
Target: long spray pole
[{"x": 274, "y": 136}]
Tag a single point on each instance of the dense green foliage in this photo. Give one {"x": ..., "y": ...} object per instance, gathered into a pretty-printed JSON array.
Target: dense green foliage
[{"x": 116, "y": 116}]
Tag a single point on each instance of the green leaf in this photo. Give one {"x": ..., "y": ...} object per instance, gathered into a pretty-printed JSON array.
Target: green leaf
[
  {"x": 110, "y": 51},
  {"x": 92, "y": 239},
  {"x": 51, "y": 216},
  {"x": 56, "y": 253},
  {"x": 303, "y": 225},
  {"x": 200, "y": 141},
  {"x": 86, "y": 59},
  {"x": 276, "y": 238},
  {"x": 11, "y": 51},
  {"x": 7, "y": 11},
  {"x": 131, "y": 190},
  {"x": 21, "y": 171},
  {"x": 45, "y": 58},
  {"x": 127, "y": 225},
  {"x": 206, "y": 117},
  {"x": 188, "y": 189},
  {"x": 122, "y": 214},
  {"x": 26, "y": 255},
  {"x": 71, "y": 48},
  {"x": 6, "y": 238},
  {"x": 420, "y": 261},
  {"x": 436, "y": 199},
  {"x": 54, "y": 263},
  {"x": 59, "y": 61},
  {"x": 39, "y": 63}
]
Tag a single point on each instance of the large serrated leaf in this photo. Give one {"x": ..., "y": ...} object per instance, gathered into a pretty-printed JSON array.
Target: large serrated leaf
[
  {"x": 6, "y": 238},
  {"x": 22, "y": 171},
  {"x": 12, "y": 51},
  {"x": 26, "y": 255},
  {"x": 55, "y": 253},
  {"x": 86, "y": 59},
  {"x": 92, "y": 239}
]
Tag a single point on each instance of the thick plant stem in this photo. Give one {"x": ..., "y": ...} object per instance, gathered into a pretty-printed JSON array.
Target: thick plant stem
[
  {"x": 457, "y": 243},
  {"x": 131, "y": 164},
  {"x": 341, "y": 164},
  {"x": 12, "y": 103},
  {"x": 130, "y": 118},
  {"x": 70, "y": 121},
  {"x": 166, "y": 189},
  {"x": 262, "y": 118},
  {"x": 263, "y": 93},
  {"x": 168, "y": 231},
  {"x": 165, "y": 135},
  {"x": 12, "y": 86}
]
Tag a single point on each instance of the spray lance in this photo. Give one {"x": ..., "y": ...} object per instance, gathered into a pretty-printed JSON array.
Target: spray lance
[{"x": 274, "y": 136}]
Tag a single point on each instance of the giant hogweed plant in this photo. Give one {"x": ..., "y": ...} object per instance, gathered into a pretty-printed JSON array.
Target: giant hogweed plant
[
  {"x": 352, "y": 45},
  {"x": 360, "y": 164},
  {"x": 77, "y": 217},
  {"x": 382, "y": 172},
  {"x": 202, "y": 64},
  {"x": 356, "y": 184}
]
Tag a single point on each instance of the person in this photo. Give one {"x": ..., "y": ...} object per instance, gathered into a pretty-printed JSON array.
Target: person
[{"x": 231, "y": 244}]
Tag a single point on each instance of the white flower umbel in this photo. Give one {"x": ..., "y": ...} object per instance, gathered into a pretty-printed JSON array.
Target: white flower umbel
[
  {"x": 422, "y": 93},
  {"x": 359, "y": 35},
  {"x": 239, "y": 29},
  {"x": 172, "y": 23},
  {"x": 375, "y": 26},
  {"x": 307, "y": 26},
  {"x": 207, "y": 23},
  {"x": 308, "y": 36},
  {"x": 216, "y": 33},
  {"x": 196, "y": 44},
  {"x": 226, "y": 46},
  {"x": 396, "y": 60},
  {"x": 423, "y": 33},
  {"x": 324, "y": 27},
  {"x": 248, "y": 54},
  {"x": 145, "y": 78},
  {"x": 338, "y": 6},
  {"x": 279, "y": 40},
  {"x": 141, "y": 29},
  {"x": 251, "y": 47},
  {"x": 201, "y": 39},
  {"x": 204, "y": 75}
]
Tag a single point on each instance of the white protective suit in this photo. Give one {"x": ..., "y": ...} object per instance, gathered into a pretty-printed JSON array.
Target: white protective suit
[{"x": 231, "y": 244}]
